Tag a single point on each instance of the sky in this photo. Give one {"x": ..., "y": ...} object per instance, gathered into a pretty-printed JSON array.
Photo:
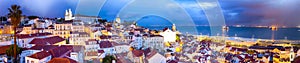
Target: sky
[{"x": 234, "y": 12}]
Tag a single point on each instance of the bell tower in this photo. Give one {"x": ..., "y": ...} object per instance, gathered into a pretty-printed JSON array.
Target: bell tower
[
  {"x": 292, "y": 54},
  {"x": 173, "y": 27}
]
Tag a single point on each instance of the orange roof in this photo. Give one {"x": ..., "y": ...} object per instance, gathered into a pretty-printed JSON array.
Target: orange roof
[
  {"x": 40, "y": 55},
  {"x": 59, "y": 60},
  {"x": 3, "y": 49}
]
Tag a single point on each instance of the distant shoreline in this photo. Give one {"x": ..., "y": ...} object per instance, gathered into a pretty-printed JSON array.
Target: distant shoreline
[
  {"x": 213, "y": 26},
  {"x": 244, "y": 32}
]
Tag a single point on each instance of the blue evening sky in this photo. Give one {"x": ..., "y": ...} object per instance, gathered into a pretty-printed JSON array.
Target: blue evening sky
[{"x": 244, "y": 12}]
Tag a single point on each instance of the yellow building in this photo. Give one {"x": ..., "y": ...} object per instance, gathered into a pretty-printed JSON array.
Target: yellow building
[
  {"x": 8, "y": 29},
  {"x": 63, "y": 29}
]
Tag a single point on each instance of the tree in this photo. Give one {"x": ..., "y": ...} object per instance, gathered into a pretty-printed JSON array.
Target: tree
[
  {"x": 15, "y": 15},
  {"x": 32, "y": 17},
  {"x": 60, "y": 20},
  {"x": 102, "y": 21},
  {"x": 108, "y": 59},
  {"x": 3, "y": 19},
  {"x": 11, "y": 49}
]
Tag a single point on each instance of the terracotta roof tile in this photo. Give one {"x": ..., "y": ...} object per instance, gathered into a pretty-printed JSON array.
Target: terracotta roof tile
[
  {"x": 59, "y": 60},
  {"x": 137, "y": 53},
  {"x": 23, "y": 36},
  {"x": 40, "y": 55},
  {"x": 100, "y": 51},
  {"x": 48, "y": 40},
  {"x": 59, "y": 51},
  {"x": 3, "y": 49},
  {"x": 105, "y": 44},
  {"x": 71, "y": 60},
  {"x": 44, "y": 47}
]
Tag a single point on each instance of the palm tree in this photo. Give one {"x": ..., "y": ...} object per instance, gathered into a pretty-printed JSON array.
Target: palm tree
[
  {"x": 15, "y": 15},
  {"x": 11, "y": 49}
]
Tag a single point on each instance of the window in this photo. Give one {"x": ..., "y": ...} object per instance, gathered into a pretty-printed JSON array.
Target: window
[
  {"x": 27, "y": 61},
  {"x": 32, "y": 61}
]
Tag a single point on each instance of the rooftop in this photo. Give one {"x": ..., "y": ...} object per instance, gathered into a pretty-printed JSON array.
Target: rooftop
[
  {"x": 105, "y": 44},
  {"x": 24, "y": 36},
  {"x": 47, "y": 41},
  {"x": 40, "y": 55}
]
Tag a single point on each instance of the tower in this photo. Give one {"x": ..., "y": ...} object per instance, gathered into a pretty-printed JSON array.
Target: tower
[
  {"x": 68, "y": 14},
  {"x": 118, "y": 19},
  {"x": 173, "y": 27},
  {"x": 292, "y": 54}
]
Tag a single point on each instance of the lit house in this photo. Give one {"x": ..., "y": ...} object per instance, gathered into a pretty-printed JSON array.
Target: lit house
[
  {"x": 169, "y": 35},
  {"x": 136, "y": 56},
  {"x": 137, "y": 42},
  {"x": 49, "y": 29},
  {"x": 97, "y": 27},
  {"x": 155, "y": 42},
  {"x": 107, "y": 47},
  {"x": 24, "y": 39},
  {"x": 121, "y": 47},
  {"x": 96, "y": 34},
  {"x": 63, "y": 29},
  {"x": 27, "y": 29},
  {"x": 77, "y": 26},
  {"x": 78, "y": 38},
  {"x": 95, "y": 48},
  {"x": 40, "y": 57},
  {"x": 91, "y": 45},
  {"x": 45, "y": 53}
]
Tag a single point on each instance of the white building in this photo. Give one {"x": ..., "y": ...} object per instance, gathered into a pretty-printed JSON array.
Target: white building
[
  {"x": 107, "y": 47},
  {"x": 40, "y": 57},
  {"x": 77, "y": 27},
  {"x": 23, "y": 40},
  {"x": 87, "y": 19},
  {"x": 155, "y": 42},
  {"x": 154, "y": 57},
  {"x": 169, "y": 35},
  {"x": 69, "y": 15},
  {"x": 121, "y": 47},
  {"x": 91, "y": 45},
  {"x": 137, "y": 42},
  {"x": 118, "y": 19},
  {"x": 78, "y": 38},
  {"x": 63, "y": 29},
  {"x": 96, "y": 34}
]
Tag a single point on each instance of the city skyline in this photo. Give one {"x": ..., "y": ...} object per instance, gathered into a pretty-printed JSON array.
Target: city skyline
[{"x": 149, "y": 31}]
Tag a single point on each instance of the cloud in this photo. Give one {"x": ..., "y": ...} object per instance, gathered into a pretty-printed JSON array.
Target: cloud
[{"x": 208, "y": 5}]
